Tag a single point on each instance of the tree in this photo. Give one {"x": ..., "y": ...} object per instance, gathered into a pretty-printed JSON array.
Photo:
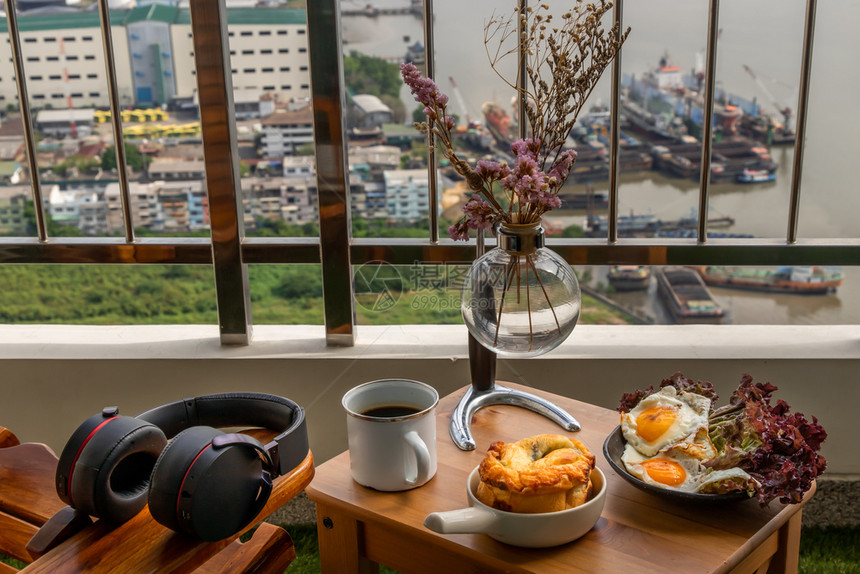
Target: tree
[
  {"x": 369, "y": 75},
  {"x": 398, "y": 109},
  {"x": 133, "y": 158},
  {"x": 574, "y": 231},
  {"x": 305, "y": 149},
  {"x": 280, "y": 228},
  {"x": 54, "y": 229},
  {"x": 418, "y": 114}
]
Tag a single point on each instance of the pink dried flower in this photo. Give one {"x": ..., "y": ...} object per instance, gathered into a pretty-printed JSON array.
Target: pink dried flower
[
  {"x": 459, "y": 231},
  {"x": 526, "y": 147},
  {"x": 547, "y": 200},
  {"x": 479, "y": 213},
  {"x": 424, "y": 90},
  {"x": 526, "y": 179},
  {"x": 562, "y": 166},
  {"x": 563, "y": 71},
  {"x": 491, "y": 170}
]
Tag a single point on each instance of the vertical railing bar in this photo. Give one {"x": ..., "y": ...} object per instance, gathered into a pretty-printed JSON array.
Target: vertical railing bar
[
  {"x": 800, "y": 130},
  {"x": 430, "y": 71},
  {"x": 522, "y": 75},
  {"x": 220, "y": 148},
  {"x": 26, "y": 119},
  {"x": 615, "y": 133},
  {"x": 707, "y": 127},
  {"x": 116, "y": 120},
  {"x": 327, "y": 94}
]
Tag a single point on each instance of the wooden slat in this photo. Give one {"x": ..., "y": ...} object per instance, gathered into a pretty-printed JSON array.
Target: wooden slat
[
  {"x": 411, "y": 554},
  {"x": 269, "y": 551},
  {"x": 27, "y": 478},
  {"x": 340, "y": 545},
  {"x": 6, "y": 569},
  {"x": 145, "y": 546},
  {"x": 761, "y": 555},
  {"x": 14, "y": 534},
  {"x": 786, "y": 558}
]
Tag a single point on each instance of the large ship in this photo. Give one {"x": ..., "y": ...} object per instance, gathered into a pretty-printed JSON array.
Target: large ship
[
  {"x": 801, "y": 280},
  {"x": 686, "y": 296},
  {"x": 499, "y": 123}
]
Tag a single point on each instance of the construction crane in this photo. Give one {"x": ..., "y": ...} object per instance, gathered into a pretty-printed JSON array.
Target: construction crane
[
  {"x": 784, "y": 110},
  {"x": 460, "y": 101}
]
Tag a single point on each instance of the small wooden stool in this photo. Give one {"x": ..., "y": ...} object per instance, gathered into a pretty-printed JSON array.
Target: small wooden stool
[{"x": 28, "y": 500}]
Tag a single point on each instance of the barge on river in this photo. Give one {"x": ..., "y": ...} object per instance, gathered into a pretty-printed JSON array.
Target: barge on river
[
  {"x": 816, "y": 280},
  {"x": 686, "y": 296},
  {"x": 629, "y": 277}
]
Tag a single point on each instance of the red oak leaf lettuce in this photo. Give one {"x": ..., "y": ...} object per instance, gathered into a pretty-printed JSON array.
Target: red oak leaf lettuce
[{"x": 778, "y": 448}]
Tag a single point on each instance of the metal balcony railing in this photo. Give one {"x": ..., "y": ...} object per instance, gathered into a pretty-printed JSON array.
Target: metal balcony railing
[{"x": 230, "y": 252}]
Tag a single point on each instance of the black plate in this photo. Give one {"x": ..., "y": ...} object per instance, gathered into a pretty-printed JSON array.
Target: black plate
[{"x": 613, "y": 448}]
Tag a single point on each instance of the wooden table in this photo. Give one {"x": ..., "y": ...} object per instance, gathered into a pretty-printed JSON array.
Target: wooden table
[{"x": 360, "y": 528}]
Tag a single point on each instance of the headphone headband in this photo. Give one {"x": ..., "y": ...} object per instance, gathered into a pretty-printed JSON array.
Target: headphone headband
[{"x": 287, "y": 450}]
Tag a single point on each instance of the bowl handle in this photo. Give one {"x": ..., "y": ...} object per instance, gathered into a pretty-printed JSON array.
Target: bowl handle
[{"x": 461, "y": 521}]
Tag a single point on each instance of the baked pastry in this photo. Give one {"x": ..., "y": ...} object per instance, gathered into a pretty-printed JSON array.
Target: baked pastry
[{"x": 543, "y": 473}]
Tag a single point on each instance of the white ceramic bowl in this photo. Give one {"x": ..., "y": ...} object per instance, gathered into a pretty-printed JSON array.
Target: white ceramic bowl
[{"x": 527, "y": 530}]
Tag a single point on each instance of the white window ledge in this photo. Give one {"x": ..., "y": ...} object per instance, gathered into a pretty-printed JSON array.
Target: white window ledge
[{"x": 427, "y": 342}]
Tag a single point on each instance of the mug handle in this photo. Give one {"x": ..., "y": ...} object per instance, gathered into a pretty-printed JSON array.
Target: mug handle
[{"x": 422, "y": 457}]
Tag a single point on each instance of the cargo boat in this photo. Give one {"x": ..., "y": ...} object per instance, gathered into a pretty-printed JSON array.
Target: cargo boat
[
  {"x": 756, "y": 176},
  {"x": 629, "y": 277},
  {"x": 686, "y": 296},
  {"x": 799, "y": 280},
  {"x": 729, "y": 160},
  {"x": 500, "y": 125}
]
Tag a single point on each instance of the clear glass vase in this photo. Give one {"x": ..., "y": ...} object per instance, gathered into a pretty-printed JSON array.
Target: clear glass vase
[{"x": 520, "y": 299}]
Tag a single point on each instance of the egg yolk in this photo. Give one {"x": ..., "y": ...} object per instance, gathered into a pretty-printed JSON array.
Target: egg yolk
[
  {"x": 654, "y": 421},
  {"x": 665, "y": 471}
]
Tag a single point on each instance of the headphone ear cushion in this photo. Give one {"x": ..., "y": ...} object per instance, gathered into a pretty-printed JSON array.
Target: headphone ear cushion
[
  {"x": 208, "y": 492},
  {"x": 106, "y": 474},
  {"x": 170, "y": 471}
]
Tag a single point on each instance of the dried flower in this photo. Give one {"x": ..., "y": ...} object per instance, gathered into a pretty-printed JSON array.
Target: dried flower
[
  {"x": 562, "y": 67},
  {"x": 459, "y": 231},
  {"x": 478, "y": 213}
]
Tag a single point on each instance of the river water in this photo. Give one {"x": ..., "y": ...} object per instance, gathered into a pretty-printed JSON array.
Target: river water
[{"x": 766, "y": 36}]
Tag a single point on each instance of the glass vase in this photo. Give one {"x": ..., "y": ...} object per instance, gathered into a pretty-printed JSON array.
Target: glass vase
[{"x": 520, "y": 299}]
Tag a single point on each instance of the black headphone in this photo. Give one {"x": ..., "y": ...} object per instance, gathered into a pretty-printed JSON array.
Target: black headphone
[{"x": 204, "y": 482}]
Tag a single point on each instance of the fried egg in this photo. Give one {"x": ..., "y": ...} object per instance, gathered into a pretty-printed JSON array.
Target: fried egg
[
  {"x": 697, "y": 445},
  {"x": 672, "y": 469},
  {"x": 665, "y": 418}
]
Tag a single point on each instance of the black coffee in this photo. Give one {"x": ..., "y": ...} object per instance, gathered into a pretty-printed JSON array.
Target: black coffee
[{"x": 390, "y": 411}]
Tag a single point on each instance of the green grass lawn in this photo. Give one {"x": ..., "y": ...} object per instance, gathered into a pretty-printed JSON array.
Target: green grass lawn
[{"x": 830, "y": 551}]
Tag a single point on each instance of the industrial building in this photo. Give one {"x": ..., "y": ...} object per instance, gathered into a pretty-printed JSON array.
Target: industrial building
[{"x": 154, "y": 53}]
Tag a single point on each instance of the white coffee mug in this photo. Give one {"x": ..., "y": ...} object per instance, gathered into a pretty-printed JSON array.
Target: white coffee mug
[{"x": 391, "y": 425}]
